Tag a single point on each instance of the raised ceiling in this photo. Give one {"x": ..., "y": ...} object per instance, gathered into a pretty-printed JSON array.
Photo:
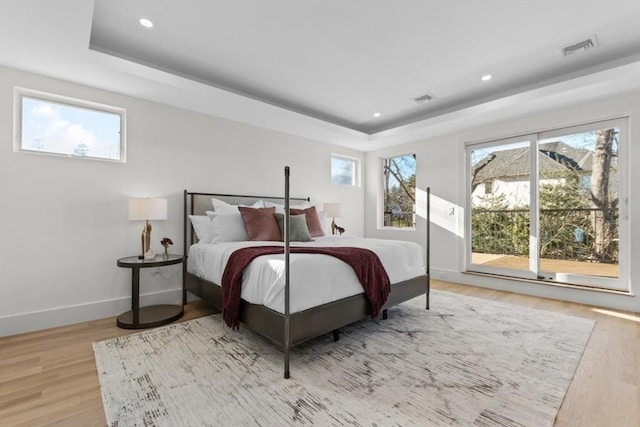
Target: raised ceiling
[{"x": 321, "y": 69}]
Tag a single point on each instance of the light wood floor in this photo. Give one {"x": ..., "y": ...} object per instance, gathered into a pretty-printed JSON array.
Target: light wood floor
[{"x": 49, "y": 377}]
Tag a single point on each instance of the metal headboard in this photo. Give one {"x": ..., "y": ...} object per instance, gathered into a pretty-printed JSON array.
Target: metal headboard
[{"x": 197, "y": 203}]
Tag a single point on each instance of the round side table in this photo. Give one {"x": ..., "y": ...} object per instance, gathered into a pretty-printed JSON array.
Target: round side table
[{"x": 152, "y": 315}]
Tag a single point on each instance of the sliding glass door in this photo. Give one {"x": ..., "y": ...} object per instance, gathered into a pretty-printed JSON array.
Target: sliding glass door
[
  {"x": 500, "y": 208},
  {"x": 547, "y": 206}
]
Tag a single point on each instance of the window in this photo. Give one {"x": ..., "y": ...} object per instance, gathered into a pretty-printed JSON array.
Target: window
[
  {"x": 488, "y": 187},
  {"x": 68, "y": 127},
  {"x": 344, "y": 170},
  {"x": 399, "y": 174},
  {"x": 556, "y": 214}
]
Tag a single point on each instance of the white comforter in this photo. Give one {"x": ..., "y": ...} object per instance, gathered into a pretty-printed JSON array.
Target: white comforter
[{"x": 315, "y": 279}]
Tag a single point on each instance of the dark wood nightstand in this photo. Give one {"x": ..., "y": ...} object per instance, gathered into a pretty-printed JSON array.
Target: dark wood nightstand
[{"x": 152, "y": 315}]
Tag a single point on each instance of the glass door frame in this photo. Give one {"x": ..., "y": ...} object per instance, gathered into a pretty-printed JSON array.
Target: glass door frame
[
  {"x": 532, "y": 271},
  {"x": 622, "y": 282}
]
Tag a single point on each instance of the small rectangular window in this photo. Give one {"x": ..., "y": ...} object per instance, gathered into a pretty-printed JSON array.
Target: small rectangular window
[
  {"x": 488, "y": 187},
  {"x": 399, "y": 174},
  {"x": 344, "y": 170},
  {"x": 62, "y": 126}
]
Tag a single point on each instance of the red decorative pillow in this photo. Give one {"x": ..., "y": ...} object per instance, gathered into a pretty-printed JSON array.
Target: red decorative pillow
[
  {"x": 313, "y": 221},
  {"x": 260, "y": 223}
]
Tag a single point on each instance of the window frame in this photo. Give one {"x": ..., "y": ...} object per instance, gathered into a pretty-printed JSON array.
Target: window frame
[
  {"x": 488, "y": 187},
  {"x": 355, "y": 182},
  {"x": 620, "y": 283},
  {"x": 21, "y": 93},
  {"x": 381, "y": 212}
]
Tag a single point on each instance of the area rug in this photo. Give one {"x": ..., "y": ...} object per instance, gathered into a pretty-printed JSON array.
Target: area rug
[{"x": 466, "y": 362}]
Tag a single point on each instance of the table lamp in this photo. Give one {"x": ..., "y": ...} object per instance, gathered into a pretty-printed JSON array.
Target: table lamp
[
  {"x": 147, "y": 209},
  {"x": 334, "y": 210}
]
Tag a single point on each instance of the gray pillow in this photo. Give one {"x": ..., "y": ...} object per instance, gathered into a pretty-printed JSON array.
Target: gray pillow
[{"x": 299, "y": 229}]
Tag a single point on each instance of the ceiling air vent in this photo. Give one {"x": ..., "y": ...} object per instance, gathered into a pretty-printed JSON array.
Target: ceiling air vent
[
  {"x": 580, "y": 47},
  {"x": 424, "y": 98}
]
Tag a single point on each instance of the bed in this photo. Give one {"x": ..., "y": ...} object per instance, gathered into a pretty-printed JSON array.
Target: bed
[{"x": 290, "y": 298}]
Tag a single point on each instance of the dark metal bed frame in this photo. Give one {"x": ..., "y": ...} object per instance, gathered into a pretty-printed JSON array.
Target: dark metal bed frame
[{"x": 290, "y": 329}]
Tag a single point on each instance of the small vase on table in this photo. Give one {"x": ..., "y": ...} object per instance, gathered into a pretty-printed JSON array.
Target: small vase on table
[{"x": 165, "y": 242}]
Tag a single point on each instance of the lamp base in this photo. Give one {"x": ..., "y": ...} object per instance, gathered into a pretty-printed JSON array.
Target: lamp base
[
  {"x": 145, "y": 239},
  {"x": 335, "y": 228}
]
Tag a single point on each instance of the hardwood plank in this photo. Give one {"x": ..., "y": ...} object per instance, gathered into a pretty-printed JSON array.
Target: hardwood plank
[{"x": 49, "y": 377}]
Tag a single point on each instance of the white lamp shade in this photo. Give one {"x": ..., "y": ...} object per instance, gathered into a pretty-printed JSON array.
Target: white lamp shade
[
  {"x": 147, "y": 209},
  {"x": 335, "y": 210}
]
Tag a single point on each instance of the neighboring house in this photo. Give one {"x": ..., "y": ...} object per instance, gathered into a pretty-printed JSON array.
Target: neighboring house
[{"x": 506, "y": 172}]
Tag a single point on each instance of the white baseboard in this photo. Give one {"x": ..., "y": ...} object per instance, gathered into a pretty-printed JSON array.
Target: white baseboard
[{"x": 61, "y": 316}]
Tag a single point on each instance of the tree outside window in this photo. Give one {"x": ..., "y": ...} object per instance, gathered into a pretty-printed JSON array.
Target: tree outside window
[
  {"x": 568, "y": 228},
  {"x": 399, "y": 174}
]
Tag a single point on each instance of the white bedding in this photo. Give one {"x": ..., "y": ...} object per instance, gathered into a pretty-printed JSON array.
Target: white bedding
[{"x": 315, "y": 279}]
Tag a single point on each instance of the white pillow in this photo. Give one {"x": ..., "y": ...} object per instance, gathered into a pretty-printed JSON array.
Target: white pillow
[
  {"x": 325, "y": 222},
  {"x": 227, "y": 227},
  {"x": 202, "y": 226},
  {"x": 280, "y": 208},
  {"x": 221, "y": 206}
]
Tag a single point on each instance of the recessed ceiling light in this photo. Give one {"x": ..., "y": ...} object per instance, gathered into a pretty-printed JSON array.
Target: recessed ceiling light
[
  {"x": 376, "y": 114},
  {"x": 486, "y": 77},
  {"x": 146, "y": 23}
]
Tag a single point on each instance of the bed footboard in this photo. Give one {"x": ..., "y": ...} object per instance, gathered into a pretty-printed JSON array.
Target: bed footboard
[{"x": 311, "y": 323}]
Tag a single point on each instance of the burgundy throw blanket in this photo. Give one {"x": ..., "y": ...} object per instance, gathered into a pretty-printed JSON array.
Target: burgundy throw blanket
[{"x": 365, "y": 263}]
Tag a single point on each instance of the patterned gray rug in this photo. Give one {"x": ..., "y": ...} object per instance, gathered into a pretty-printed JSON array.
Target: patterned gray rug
[{"x": 467, "y": 361}]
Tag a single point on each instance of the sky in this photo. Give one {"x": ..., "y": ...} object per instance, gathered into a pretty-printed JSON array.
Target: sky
[
  {"x": 586, "y": 140},
  {"x": 61, "y": 129}
]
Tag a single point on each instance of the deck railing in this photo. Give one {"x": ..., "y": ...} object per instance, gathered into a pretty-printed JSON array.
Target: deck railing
[
  {"x": 400, "y": 219},
  {"x": 568, "y": 234}
]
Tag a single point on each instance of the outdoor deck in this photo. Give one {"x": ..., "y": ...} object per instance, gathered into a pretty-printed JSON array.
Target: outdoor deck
[{"x": 557, "y": 265}]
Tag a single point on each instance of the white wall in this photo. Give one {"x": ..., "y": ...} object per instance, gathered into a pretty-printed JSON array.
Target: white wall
[
  {"x": 440, "y": 165},
  {"x": 63, "y": 222}
]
